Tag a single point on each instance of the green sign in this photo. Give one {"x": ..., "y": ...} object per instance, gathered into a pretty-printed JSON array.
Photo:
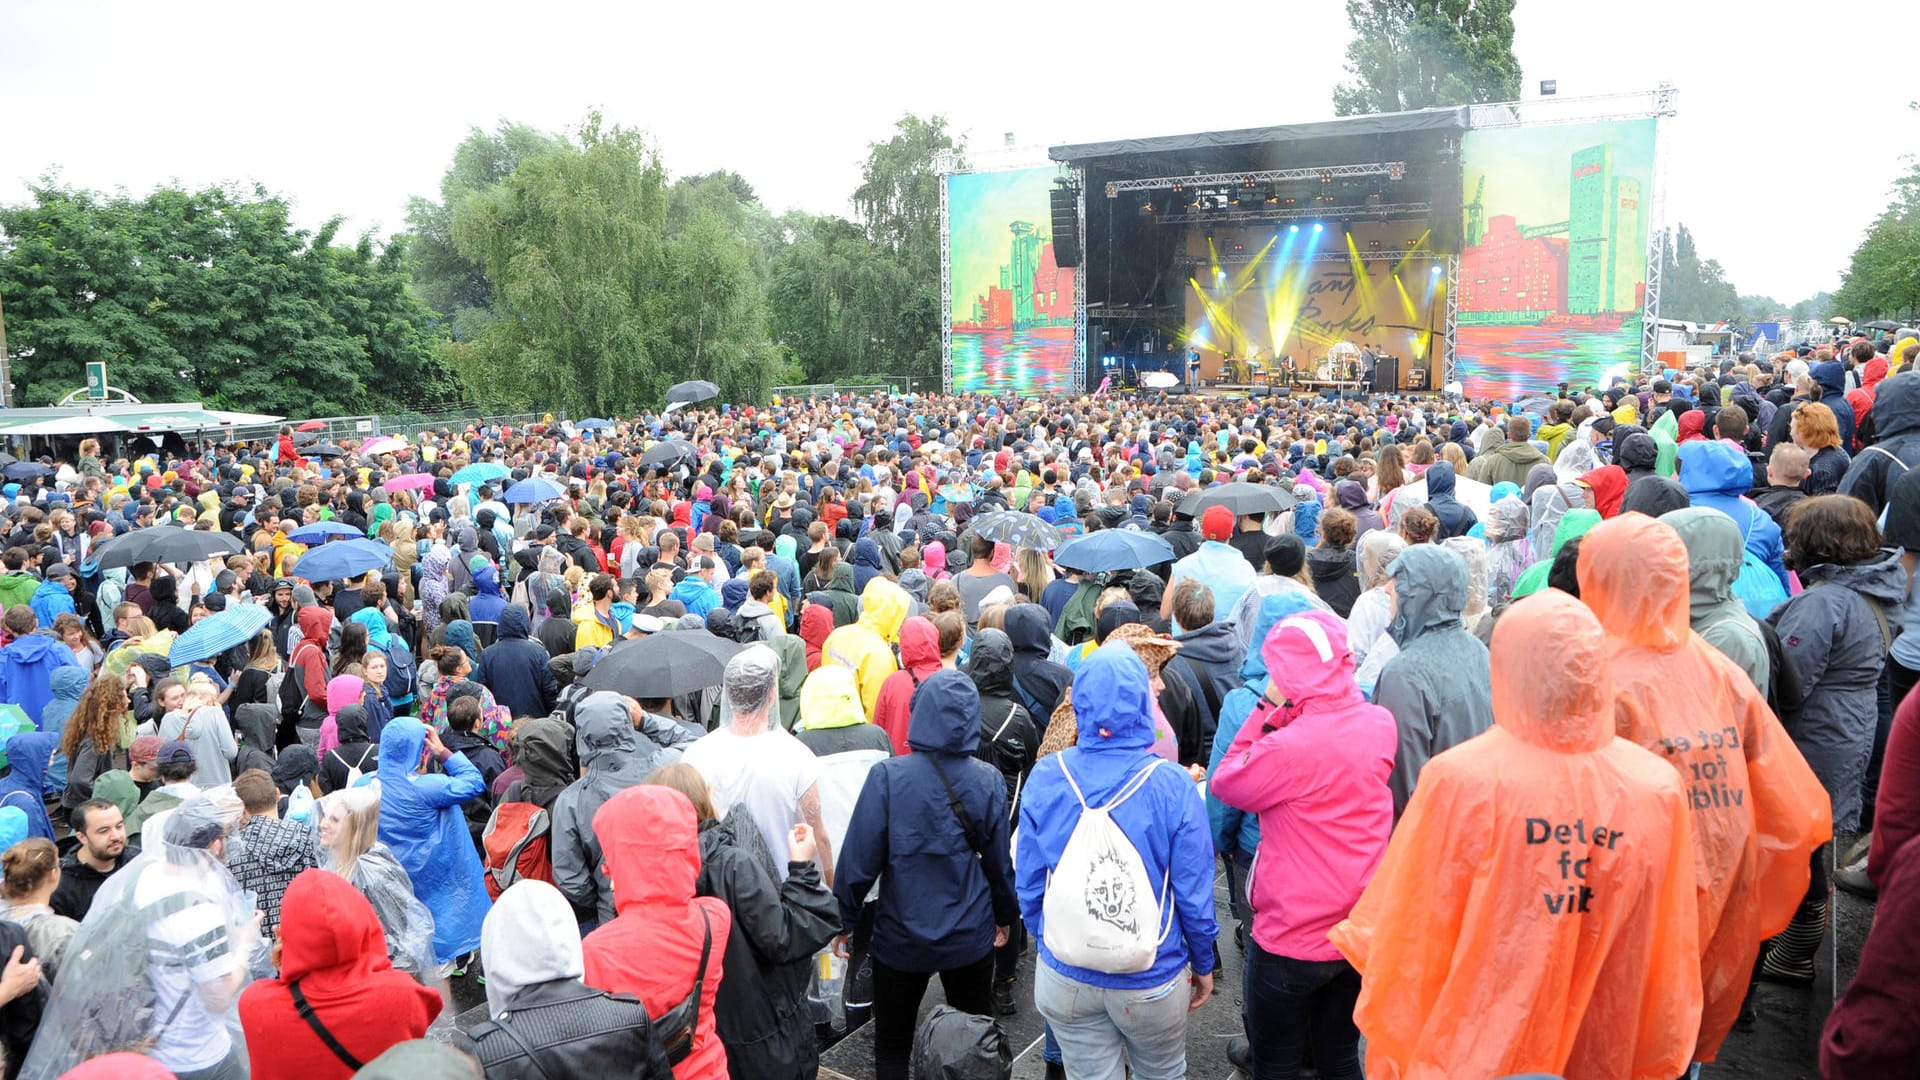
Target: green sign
[{"x": 97, "y": 379}]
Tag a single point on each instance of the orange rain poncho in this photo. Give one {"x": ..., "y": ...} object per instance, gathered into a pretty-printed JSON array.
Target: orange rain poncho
[
  {"x": 1534, "y": 912},
  {"x": 1758, "y": 810}
]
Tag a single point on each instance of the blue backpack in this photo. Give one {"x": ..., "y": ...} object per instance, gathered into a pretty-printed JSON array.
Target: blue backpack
[{"x": 1758, "y": 588}]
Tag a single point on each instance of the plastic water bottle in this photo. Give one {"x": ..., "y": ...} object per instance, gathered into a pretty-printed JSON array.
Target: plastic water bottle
[{"x": 826, "y": 991}]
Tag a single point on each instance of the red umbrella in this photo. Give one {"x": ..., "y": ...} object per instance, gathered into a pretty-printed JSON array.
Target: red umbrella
[{"x": 312, "y": 425}]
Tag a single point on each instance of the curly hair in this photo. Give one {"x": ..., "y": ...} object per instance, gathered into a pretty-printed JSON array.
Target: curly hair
[
  {"x": 97, "y": 717},
  {"x": 1831, "y": 529}
]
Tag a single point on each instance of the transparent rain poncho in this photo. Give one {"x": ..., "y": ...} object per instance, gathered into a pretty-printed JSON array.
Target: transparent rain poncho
[
  {"x": 406, "y": 922},
  {"x": 158, "y": 965},
  {"x": 749, "y": 681}
]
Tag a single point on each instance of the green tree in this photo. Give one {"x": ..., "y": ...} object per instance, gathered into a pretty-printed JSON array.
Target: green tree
[
  {"x": 1692, "y": 288},
  {"x": 209, "y": 294},
  {"x": 1411, "y": 54},
  {"x": 1882, "y": 279},
  {"x": 898, "y": 204},
  {"x": 449, "y": 282},
  {"x": 599, "y": 302}
]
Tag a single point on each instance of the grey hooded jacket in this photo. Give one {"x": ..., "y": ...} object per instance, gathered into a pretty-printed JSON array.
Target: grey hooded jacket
[
  {"x": 1439, "y": 687},
  {"x": 615, "y": 757},
  {"x": 1714, "y": 551}
]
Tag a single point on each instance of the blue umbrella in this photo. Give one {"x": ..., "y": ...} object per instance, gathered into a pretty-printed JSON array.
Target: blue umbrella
[
  {"x": 536, "y": 489},
  {"x": 320, "y": 531},
  {"x": 593, "y": 423},
  {"x": 346, "y": 559},
  {"x": 219, "y": 632},
  {"x": 479, "y": 473},
  {"x": 1113, "y": 549}
]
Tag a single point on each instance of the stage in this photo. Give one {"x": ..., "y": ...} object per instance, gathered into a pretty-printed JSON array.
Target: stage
[{"x": 1506, "y": 246}]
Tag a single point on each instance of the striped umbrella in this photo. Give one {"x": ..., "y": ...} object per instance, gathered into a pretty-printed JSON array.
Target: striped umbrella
[{"x": 219, "y": 632}]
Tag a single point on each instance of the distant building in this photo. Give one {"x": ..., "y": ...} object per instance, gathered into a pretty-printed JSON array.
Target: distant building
[
  {"x": 1033, "y": 289},
  {"x": 1509, "y": 273},
  {"x": 1607, "y": 235}
]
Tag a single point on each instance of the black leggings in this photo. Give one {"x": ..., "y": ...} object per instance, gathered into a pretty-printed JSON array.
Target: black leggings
[{"x": 896, "y": 1007}]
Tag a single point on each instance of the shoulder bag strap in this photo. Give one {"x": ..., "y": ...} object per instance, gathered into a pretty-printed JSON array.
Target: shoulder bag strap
[
  {"x": 305, "y": 1008},
  {"x": 481, "y": 1031},
  {"x": 953, "y": 800},
  {"x": 700, "y": 974}
]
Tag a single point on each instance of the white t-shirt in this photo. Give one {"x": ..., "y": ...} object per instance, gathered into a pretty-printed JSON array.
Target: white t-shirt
[
  {"x": 767, "y": 772},
  {"x": 185, "y": 949}
]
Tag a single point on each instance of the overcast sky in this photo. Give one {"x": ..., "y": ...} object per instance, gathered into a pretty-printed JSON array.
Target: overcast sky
[{"x": 349, "y": 108}]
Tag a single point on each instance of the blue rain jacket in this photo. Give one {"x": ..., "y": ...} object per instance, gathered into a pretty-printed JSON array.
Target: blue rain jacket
[{"x": 422, "y": 824}]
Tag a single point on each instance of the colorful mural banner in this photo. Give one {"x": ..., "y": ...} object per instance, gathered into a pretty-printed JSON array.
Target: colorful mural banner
[
  {"x": 1553, "y": 270},
  {"x": 1012, "y": 321}
]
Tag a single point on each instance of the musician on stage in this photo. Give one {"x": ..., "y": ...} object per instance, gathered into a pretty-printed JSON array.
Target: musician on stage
[
  {"x": 1367, "y": 360},
  {"x": 1289, "y": 371},
  {"x": 1193, "y": 368}
]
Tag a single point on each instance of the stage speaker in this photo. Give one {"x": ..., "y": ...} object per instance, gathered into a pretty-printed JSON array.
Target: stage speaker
[
  {"x": 1066, "y": 226},
  {"x": 1386, "y": 375}
]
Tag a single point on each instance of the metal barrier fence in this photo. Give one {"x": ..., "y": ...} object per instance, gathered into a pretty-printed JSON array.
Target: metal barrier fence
[
  {"x": 336, "y": 428},
  {"x": 863, "y": 385}
]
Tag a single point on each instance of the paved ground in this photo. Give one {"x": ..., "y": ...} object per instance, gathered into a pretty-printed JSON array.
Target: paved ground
[{"x": 1782, "y": 1045}]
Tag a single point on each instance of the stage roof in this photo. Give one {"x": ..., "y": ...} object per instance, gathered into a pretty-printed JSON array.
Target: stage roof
[{"x": 1401, "y": 123}]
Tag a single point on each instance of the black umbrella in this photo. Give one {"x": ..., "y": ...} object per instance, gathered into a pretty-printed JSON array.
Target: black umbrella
[
  {"x": 324, "y": 450},
  {"x": 1244, "y": 499},
  {"x": 167, "y": 544},
  {"x": 663, "y": 665},
  {"x": 690, "y": 392},
  {"x": 26, "y": 470},
  {"x": 670, "y": 452},
  {"x": 1016, "y": 529},
  {"x": 6, "y": 458}
]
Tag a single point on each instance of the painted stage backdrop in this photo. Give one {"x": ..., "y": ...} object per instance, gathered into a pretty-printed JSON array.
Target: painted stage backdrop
[
  {"x": 1554, "y": 268},
  {"x": 1012, "y": 306}
]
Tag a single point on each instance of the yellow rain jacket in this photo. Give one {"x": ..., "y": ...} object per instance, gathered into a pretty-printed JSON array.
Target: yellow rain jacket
[
  {"x": 1534, "y": 911},
  {"x": 1758, "y": 810},
  {"x": 866, "y": 646}
]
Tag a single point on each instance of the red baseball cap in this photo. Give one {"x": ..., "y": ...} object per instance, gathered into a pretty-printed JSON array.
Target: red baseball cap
[{"x": 1217, "y": 523}]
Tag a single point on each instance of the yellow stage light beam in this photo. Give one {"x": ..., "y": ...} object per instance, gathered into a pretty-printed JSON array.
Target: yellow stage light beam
[{"x": 1417, "y": 244}]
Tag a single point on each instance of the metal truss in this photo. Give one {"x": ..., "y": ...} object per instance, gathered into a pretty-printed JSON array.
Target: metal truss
[
  {"x": 946, "y": 281},
  {"x": 1393, "y": 170},
  {"x": 1636, "y": 105},
  {"x": 1453, "y": 322},
  {"x": 1298, "y": 213},
  {"x": 1241, "y": 258},
  {"x": 1656, "y": 237},
  {"x": 1079, "y": 377}
]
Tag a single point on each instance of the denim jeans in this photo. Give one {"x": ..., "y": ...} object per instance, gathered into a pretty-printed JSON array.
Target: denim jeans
[
  {"x": 1101, "y": 1032},
  {"x": 1290, "y": 1003}
]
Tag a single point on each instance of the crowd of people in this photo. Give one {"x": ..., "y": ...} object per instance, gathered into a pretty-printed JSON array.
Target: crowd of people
[{"x": 1520, "y": 730}]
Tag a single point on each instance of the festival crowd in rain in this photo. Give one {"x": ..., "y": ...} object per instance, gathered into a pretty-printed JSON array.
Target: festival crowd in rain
[{"x": 1527, "y": 736}]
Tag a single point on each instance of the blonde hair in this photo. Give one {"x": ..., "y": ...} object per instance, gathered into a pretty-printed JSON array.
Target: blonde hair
[
  {"x": 201, "y": 692},
  {"x": 686, "y": 780},
  {"x": 362, "y": 829}
]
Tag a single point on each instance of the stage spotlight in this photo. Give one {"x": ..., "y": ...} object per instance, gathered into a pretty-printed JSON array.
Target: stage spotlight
[
  {"x": 1293, "y": 228},
  {"x": 1436, "y": 270},
  {"x": 1374, "y": 244},
  {"x": 1317, "y": 227},
  {"x": 1219, "y": 275}
]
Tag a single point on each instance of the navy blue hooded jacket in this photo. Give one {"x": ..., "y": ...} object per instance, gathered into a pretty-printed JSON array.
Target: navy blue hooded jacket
[
  {"x": 940, "y": 897},
  {"x": 1832, "y": 379},
  {"x": 515, "y": 668}
]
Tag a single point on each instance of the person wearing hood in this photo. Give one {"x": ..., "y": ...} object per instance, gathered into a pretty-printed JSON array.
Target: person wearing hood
[
  {"x": 24, "y": 785},
  {"x": 1872, "y": 373},
  {"x": 1313, "y": 765},
  {"x": 1286, "y": 559},
  {"x": 1713, "y": 562},
  {"x": 542, "y": 1019},
  {"x": 54, "y": 596},
  {"x": 28, "y": 662},
  {"x": 1638, "y": 454},
  {"x": 1717, "y": 475},
  {"x": 1455, "y": 516},
  {"x": 1097, "y": 1016},
  {"x": 1510, "y": 461},
  {"x": 751, "y": 760},
  {"x": 487, "y": 602},
  {"x": 1535, "y": 910},
  {"x": 1896, "y": 448},
  {"x": 613, "y": 757},
  {"x": 1209, "y": 659},
  {"x": 866, "y": 647},
  {"x": 919, "y": 659},
  {"x": 356, "y": 749},
  {"x": 460, "y": 563},
  {"x": 515, "y": 668},
  {"x": 816, "y": 625},
  {"x": 1351, "y": 496},
  {"x": 303, "y": 693},
  {"x": 868, "y": 562},
  {"x": 1373, "y": 610},
  {"x": 833, "y": 728},
  {"x": 557, "y": 633},
  {"x": 1509, "y": 551},
  {"x": 1437, "y": 685},
  {"x": 1573, "y": 525},
  {"x": 839, "y": 596},
  {"x": 1834, "y": 636},
  {"x": 1751, "y": 862},
  {"x": 334, "y": 977},
  {"x": 421, "y": 824},
  {"x": 931, "y": 828},
  {"x": 666, "y": 945},
  {"x": 794, "y": 668},
  {"x": 67, "y": 685},
  {"x": 1831, "y": 377},
  {"x": 696, "y": 591},
  {"x": 1038, "y": 682},
  {"x": 778, "y": 926}
]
